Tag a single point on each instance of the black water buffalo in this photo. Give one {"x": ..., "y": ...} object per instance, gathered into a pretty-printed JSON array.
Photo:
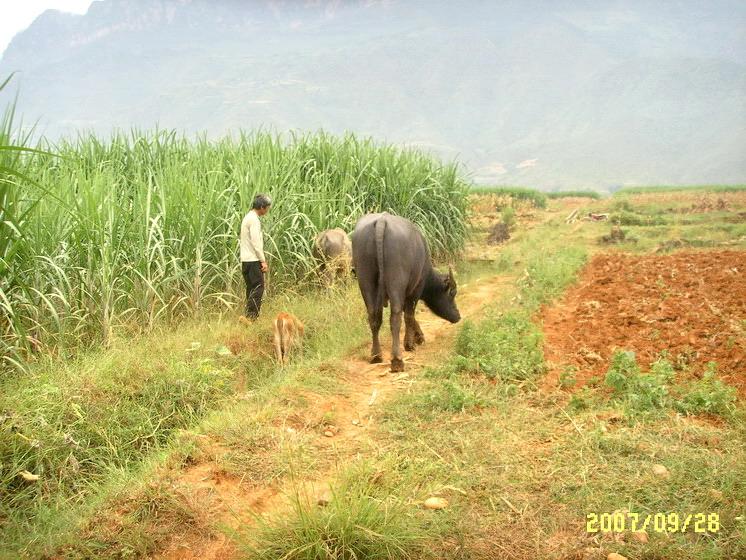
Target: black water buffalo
[
  {"x": 333, "y": 250},
  {"x": 393, "y": 265}
]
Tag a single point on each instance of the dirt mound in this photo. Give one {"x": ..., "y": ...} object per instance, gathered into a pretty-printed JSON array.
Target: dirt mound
[
  {"x": 499, "y": 234},
  {"x": 707, "y": 204},
  {"x": 617, "y": 235},
  {"x": 671, "y": 245},
  {"x": 692, "y": 304}
]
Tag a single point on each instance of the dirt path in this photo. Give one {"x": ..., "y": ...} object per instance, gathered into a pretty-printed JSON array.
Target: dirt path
[{"x": 366, "y": 386}]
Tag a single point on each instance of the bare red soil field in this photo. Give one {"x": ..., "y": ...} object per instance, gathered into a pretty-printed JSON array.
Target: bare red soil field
[{"x": 692, "y": 304}]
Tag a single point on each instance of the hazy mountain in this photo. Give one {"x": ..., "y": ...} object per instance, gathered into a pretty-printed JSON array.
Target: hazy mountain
[{"x": 542, "y": 93}]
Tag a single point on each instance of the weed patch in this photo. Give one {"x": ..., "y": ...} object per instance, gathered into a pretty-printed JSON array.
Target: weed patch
[
  {"x": 359, "y": 521},
  {"x": 507, "y": 347},
  {"x": 708, "y": 395},
  {"x": 654, "y": 391}
]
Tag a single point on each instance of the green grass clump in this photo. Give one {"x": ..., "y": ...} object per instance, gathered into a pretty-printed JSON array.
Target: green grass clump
[
  {"x": 574, "y": 194},
  {"x": 546, "y": 277},
  {"x": 442, "y": 394},
  {"x": 537, "y": 198},
  {"x": 360, "y": 521},
  {"x": 507, "y": 347}
]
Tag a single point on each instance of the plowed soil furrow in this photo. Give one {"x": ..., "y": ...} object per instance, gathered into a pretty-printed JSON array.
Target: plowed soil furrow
[{"x": 689, "y": 304}]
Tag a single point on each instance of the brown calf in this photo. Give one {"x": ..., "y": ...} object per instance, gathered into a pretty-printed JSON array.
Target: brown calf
[{"x": 288, "y": 332}]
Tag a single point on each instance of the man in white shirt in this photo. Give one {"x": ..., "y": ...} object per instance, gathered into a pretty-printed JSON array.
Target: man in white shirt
[{"x": 253, "y": 262}]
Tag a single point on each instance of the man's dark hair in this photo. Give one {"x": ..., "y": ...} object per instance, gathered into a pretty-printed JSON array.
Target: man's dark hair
[{"x": 261, "y": 201}]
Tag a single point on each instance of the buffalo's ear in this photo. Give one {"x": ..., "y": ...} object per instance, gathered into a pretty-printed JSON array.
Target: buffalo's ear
[{"x": 450, "y": 282}]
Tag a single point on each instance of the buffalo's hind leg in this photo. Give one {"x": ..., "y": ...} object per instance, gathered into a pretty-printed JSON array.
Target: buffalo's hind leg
[
  {"x": 419, "y": 338},
  {"x": 397, "y": 363},
  {"x": 410, "y": 327},
  {"x": 375, "y": 318},
  {"x": 369, "y": 291},
  {"x": 413, "y": 332}
]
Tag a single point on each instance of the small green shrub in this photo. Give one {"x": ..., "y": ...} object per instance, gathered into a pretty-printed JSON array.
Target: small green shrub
[
  {"x": 508, "y": 216},
  {"x": 646, "y": 392},
  {"x": 707, "y": 395},
  {"x": 640, "y": 392},
  {"x": 581, "y": 400},
  {"x": 622, "y": 206},
  {"x": 623, "y": 368},
  {"x": 567, "y": 377}
]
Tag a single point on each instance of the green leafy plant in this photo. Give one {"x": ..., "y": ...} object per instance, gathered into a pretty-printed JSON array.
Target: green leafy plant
[
  {"x": 707, "y": 395},
  {"x": 640, "y": 392}
]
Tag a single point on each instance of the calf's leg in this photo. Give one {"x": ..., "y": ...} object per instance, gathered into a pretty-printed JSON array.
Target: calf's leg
[{"x": 278, "y": 342}]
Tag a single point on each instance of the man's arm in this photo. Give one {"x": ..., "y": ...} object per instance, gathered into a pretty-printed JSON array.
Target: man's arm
[{"x": 257, "y": 242}]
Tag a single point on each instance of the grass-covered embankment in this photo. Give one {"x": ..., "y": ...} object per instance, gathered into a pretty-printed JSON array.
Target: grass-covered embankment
[{"x": 102, "y": 432}]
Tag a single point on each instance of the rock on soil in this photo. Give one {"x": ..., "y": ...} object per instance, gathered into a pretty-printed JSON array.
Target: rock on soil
[
  {"x": 324, "y": 498},
  {"x": 691, "y": 304},
  {"x": 436, "y": 503},
  {"x": 640, "y": 536}
]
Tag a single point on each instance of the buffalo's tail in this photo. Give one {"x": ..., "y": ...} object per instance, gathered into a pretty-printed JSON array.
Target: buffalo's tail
[{"x": 380, "y": 229}]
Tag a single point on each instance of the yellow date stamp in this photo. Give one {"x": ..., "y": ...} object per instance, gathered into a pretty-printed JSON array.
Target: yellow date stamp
[{"x": 661, "y": 522}]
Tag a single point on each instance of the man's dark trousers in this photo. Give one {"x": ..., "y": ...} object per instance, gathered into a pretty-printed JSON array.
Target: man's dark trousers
[{"x": 254, "y": 279}]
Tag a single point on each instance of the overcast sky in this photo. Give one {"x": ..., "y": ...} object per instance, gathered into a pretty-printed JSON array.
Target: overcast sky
[{"x": 17, "y": 15}]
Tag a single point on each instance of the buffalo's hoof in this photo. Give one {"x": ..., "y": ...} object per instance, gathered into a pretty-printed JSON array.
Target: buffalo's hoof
[
  {"x": 397, "y": 365},
  {"x": 408, "y": 346},
  {"x": 376, "y": 360}
]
